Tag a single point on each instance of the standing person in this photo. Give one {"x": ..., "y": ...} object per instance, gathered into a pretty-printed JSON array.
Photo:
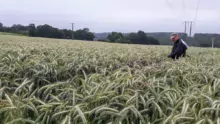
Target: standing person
[{"x": 179, "y": 47}]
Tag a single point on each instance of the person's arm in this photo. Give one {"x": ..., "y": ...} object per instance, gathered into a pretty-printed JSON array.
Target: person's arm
[{"x": 169, "y": 56}]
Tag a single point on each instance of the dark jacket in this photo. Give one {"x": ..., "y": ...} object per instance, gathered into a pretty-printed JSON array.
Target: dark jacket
[{"x": 179, "y": 50}]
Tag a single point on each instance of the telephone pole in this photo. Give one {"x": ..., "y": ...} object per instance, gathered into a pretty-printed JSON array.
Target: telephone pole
[
  {"x": 190, "y": 28},
  {"x": 213, "y": 40},
  {"x": 72, "y": 30},
  {"x": 185, "y": 23},
  {"x": 191, "y": 23}
]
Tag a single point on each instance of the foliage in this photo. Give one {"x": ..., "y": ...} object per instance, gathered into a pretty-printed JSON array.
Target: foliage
[
  {"x": 134, "y": 38},
  {"x": 153, "y": 41},
  {"x": 141, "y": 38},
  {"x": 48, "y": 31},
  {"x": 32, "y": 30},
  {"x": 1, "y": 26},
  {"x": 50, "y": 81},
  {"x": 199, "y": 39},
  {"x": 16, "y": 28},
  {"x": 84, "y": 34},
  {"x": 115, "y": 36},
  {"x": 205, "y": 40}
]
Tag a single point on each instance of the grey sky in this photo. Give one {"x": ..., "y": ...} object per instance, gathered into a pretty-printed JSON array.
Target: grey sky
[{"x": 114, "y": 15}]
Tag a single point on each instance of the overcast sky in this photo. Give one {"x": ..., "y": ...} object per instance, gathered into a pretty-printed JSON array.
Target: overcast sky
[{"x": 114, "y": 15}]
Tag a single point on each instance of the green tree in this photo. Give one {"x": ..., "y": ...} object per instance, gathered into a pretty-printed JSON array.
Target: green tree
[
  {"x": 142, "y": 38},
  {"x": 84, "y": 34},
  {"x": 1, "y": 27},
  {"x": 138, "y": 38},
  {"x": 133, "y": 37},
  {"x": 49, "y": 31},
  {"x": 45, "y": 31},
  {"x": 67, "y": 33},
  {"x": 115, "y": 37},
  {"x": 153, "y": 41},
  {"x": 32, "y": 30},
  {"x": 20, "y": 29}
]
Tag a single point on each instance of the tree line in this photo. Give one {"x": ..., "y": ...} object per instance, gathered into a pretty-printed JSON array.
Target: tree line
[
  {"x": 198, "y": 40},
  {"x": 48, "y": 31},
  {"x": 82, "y": 34},
  {"x": 205, "y": 40},
  {"x": 132, "y": 38},
  {"x": 162, "y": 38}
]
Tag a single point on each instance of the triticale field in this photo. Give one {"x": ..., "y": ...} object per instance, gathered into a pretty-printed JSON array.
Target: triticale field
[{"x": 51, "y": 81}]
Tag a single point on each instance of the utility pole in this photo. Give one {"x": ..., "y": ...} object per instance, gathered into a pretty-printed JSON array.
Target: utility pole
[
  {"x": 185, "y": 23},
  {"x": 72, "y": 30},
  {"x": 213, "y": 41},
  {"x": 191, "y": 23},
  {"x": 185, "y": 29}
]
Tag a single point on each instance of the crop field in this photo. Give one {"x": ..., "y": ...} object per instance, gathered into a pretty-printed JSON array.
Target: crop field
[{"x": 52, "y": 81}]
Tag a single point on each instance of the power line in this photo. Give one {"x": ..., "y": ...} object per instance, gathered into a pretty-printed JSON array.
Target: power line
[
  {"x": 169, "y": 5},
  {"x": 184, "y": 7},
  {"x": 196, "y": 17},
  {"x": 197, "y": 10},
  {"x": 186, "y": 23},
  {"x": 172, "y": 9}
]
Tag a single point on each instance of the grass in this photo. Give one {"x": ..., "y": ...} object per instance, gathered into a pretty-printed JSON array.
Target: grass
[
  {"x": 13, "y": 34},
  {"x": 49, "y": 81}
]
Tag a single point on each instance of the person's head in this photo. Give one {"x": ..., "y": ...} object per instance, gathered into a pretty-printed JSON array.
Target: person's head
[{"x": 174, "y": 37}]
